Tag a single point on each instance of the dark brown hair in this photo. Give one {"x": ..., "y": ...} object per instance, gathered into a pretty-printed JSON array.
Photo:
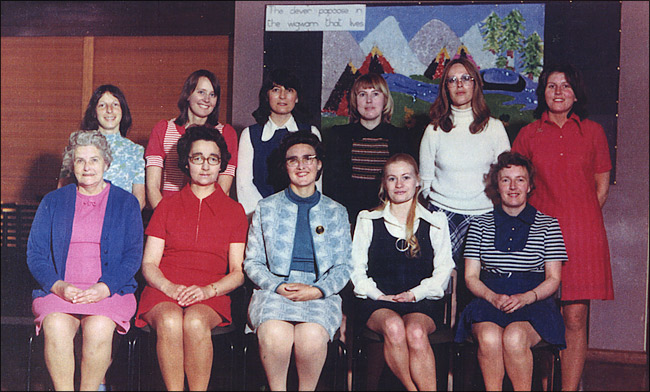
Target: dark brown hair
[
  {"x": 188, "y": 89},
  {"x": 90, "y": 121},
  {"x": 574, "y": 78},
  {"x": 200, "y": 132}
]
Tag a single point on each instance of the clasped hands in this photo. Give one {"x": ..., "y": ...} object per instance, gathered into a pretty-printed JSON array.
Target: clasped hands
[
  {"x": 74, "y": 294},
  {"x": 188, "y": 295},
  {"x": 509, "y": 303},
  {"x": 405, "y": 296},
  {"x": 299, "y": 291}
]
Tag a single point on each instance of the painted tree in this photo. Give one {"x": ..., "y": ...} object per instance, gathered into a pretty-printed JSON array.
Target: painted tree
[
  {"x": 532, "y": 55},
  {"x": 513, "y": 26},
  {"x": 491, "y": 30}
]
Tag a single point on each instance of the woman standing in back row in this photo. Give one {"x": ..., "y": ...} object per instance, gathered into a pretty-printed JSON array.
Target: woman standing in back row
[
  {"x": 198, "y": 105},
  {"x": 457, "y": 150},
  {"x": 572, "y": 158},
  {"x": 280, "y": 112}
]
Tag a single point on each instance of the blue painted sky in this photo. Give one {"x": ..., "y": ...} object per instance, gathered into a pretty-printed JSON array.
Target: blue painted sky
[{"x": 458, "y": 17}]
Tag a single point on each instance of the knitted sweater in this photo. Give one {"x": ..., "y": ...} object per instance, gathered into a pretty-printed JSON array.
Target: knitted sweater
[{"x": 452, "y": 164}]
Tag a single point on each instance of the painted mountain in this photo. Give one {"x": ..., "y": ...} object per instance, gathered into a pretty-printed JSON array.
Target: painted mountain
[{"x": 403, "y": 63}]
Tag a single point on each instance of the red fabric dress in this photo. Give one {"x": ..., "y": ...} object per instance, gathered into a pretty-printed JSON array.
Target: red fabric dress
[
  {"x": 197, "y": 235},
  {"x": 566, "y": 160}
]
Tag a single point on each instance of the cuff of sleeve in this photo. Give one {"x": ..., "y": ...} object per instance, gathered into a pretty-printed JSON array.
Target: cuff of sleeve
[
  {"x": 321, "y": 290},
  {"x": 374, "y": 294},
  {"x": 421, "y": 293}
]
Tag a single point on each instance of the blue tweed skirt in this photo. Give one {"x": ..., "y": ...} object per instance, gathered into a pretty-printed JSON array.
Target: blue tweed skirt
[{"x": 268, "y": 305}]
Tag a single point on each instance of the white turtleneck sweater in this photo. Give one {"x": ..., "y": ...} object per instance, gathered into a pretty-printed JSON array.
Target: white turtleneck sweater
[{"x": 452, "y": 164}]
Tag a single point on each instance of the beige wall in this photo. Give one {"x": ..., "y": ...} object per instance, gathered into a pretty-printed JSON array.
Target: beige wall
[{"x": 615, "y": 325}]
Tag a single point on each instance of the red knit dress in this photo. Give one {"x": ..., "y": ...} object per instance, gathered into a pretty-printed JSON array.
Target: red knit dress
[
  {"x": 197, "y": 235},
  {"x": 566, "y": 160}
]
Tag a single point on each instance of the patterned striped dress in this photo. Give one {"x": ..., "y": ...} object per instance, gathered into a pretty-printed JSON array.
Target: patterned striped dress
[{"x": 513, "y": 269}]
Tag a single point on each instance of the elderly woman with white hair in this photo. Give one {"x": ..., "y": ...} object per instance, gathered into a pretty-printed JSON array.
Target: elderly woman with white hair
[{"x": 84, "y": 249}]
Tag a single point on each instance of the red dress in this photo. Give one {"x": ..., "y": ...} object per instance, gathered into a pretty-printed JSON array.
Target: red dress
[
  {"x": 566, "y": 160},
  {"x": 197, "y": 235}
]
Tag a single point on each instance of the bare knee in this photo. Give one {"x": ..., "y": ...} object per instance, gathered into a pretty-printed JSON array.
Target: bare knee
[
  {"x": 59, "y": 326},
  {"x": 195, "y": 327},
  {"x": 489, "y": 339},
  {"x": 169, "y": 325},
  {"x": 417, "y": 337},
  {"x": 311, "y": 338},
  {"x": 394, "y": 330},
  {"x": 272, "y": 337},
  {"x": 515, "y": 341}
]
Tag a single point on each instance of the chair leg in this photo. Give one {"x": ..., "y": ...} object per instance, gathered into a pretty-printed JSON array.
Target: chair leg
[{"x": 28, "y": 378}]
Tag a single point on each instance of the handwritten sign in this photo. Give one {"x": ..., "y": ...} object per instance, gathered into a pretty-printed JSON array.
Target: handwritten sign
[{"x": 334, "y": 17}]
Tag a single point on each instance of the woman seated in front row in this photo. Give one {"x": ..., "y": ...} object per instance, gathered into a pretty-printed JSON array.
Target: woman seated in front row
[
  {"x": 513, "y": 261},
  {"x": 402, "y": 261},
  {"x": 298, "y": 257},
  {"x": 84, "y": 249},
  {"x": 192, "y": 259}
]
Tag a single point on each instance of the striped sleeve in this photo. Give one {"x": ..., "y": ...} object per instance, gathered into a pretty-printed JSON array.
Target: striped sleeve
[
  {"x": 554, "y": 249},
  {"x": 474, "y": 238}
]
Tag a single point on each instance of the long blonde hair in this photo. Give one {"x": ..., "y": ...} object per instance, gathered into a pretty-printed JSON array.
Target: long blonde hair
[{"x": 411, "y": 239}]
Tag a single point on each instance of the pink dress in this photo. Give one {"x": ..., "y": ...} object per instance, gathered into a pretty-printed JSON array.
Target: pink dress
[{"x": 83, "y": 268}]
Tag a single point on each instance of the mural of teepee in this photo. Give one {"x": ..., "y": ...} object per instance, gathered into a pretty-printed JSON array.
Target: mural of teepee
[
  {"x": 375, "y": 62},
  {"x": 434, "y": 70},
  {"x": 337, "y": 102}
]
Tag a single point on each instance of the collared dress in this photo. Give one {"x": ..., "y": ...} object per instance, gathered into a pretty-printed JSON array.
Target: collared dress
[
  {"x": 513, "y": 252},
  {"x": 380, "y": 268},
  {"x": 566, "y": 160},
  {"x": 269, "y": 260},
  {"x": 197, "y": 235}
]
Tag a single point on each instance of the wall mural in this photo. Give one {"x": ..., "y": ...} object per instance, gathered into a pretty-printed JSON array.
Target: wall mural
[{"x": 410, "y": 45}]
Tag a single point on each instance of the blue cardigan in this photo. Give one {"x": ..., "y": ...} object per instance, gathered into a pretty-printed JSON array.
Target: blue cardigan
[{"x": 121, "y": 241}]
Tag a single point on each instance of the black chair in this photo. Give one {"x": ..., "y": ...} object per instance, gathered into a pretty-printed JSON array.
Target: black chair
[
  {"x": 367, "y": 341},
  {"x": 135, "y": 356}
]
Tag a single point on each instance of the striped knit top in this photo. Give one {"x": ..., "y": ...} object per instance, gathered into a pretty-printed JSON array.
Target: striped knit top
[
  {"x": 543, "y": 243},
  {"x": 369, "y": 155}
]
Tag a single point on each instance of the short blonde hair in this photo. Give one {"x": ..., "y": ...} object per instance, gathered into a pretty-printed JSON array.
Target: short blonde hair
[
  {"x": 376, "y": 81},
  {"x": 80, "y": 139}
]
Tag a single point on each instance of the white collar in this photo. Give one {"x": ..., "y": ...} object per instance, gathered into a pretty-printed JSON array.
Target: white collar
[
  {"x": 420, "y": 213},
  {"x": 270, "y": 127}
]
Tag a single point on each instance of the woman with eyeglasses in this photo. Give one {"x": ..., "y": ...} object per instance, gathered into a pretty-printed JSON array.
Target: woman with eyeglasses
[
  {"x": 192, "y": 258},
  {"x": 298, "y": 258},
  {"x": 456, "y": 151}
]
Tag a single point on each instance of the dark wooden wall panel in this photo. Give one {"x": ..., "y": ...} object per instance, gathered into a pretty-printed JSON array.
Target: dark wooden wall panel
[
  {"x": 42, "y": 79},
  {"x": 41, "y": 104}
]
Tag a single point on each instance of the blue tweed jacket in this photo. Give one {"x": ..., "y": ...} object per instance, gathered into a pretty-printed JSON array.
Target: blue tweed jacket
[{"x": 270, "y": 243}]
